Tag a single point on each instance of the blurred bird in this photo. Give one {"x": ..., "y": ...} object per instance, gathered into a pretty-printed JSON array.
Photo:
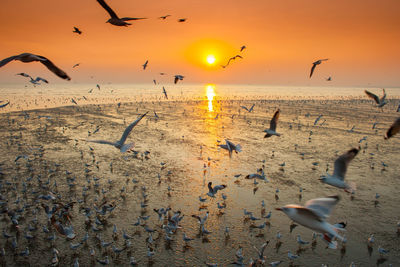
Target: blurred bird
[
  {"x": 379, "y": 101},
  {"x": 76, "y": 30},
  {"x": 315, "y": 64},
  {"x": 394, "y": 129}
]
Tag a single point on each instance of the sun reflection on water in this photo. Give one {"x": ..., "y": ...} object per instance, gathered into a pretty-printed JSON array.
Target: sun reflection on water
[{"x": 210, "y": 89}]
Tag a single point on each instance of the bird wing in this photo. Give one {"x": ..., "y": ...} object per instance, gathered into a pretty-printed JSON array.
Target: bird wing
[
  {"x": 251, "y": 109},
  {"x": 243, "y": 107},
  {"x": 176, "y": 79},
  {"x": 108, "y": 9},
  {"x": 312, "y": 69},
  {"x": 342, "y": 162},
  {"x": 373, "y": 96},
  {"x": 384, "y": 95},
  {"x": 322, "y": 207},
  {"x": 38, "y": 79},
  {"x": 129, "y": 129},
  {"x": 394, "y": 129},
  {"x": 218, "y": 187},
  {"x": 102, "y": 142},
  {"x": 165, "y": 93},
  {"x": 7, "y": 60},
  {"x": 53, "y": 68},
  {"x": 274, "y": 120},
  {"x": 129, "y": 18},
  {"x": 4, "y": 105}
]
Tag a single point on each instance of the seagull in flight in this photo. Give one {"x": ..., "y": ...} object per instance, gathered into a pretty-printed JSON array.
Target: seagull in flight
[
  {"x": 4, "y": 105},
  {"x": 76, "y": 65},
  {"x": 76, "y": 30},
  {"x": 314, "y": 214},
  {"x": 28, "y": 57},
  {"x": 182, "y": 20},
  {"x": 145, "y": 64},
  {"x": 248, "y": 109},
  {"x": 243, "y": 48},
  {"x": 164, "y": 17},
  {"x": 115, "y": 20},
  {"x": 232, "y": 58},
  {"x": 379, "y": 101},
  {"x": 37, "y": 80},
  {"x": 231, "y": 147},
  {"x": 178, "y": 78},
  {"x": 272, "y": 126},
  {"x": 315, "y": 64},
  {"x": 394, "y": 129},
  {"x": 213, "y": 190},
  {"x": 339, "y": 172},
  {"x": 121, "y": 143},
  {"x": 165, "y": 92}
]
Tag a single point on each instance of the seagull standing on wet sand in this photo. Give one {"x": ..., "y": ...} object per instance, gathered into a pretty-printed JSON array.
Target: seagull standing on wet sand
[
  {"x": 115, "y": 20},
  {"x": 121, "y": 143},
  {"x": 313, "y": 214},
  {"x": 315, "y": 64},
  {"x": 341, "y": 164},
  {"x": 28, "y": 57},
  {"x": 272, "y": 126}
]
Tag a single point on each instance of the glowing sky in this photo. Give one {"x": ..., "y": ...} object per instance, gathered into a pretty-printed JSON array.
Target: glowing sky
[{"x": 360, "y": 37}]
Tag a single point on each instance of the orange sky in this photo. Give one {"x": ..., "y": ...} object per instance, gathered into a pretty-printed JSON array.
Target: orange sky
[{"x": 360, "y": 37}]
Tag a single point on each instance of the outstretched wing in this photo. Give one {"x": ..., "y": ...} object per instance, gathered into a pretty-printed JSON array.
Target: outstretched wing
[
  {"x": 394, "y": 129},
  {"x": 108, "y": 9},
  {"x": 128, "y": 18},
  {"x": 102, "y": 142},
  {"x": 53, "y": 68},
  {"x": 129, "y": 129},
  {"x": 373, "y": 96},
  {"x": 342, "y": 162},
  {"x": 251, "y": 109},
  {"x": 384, "y": 95},
  {"x": 312, "y": 69},
  {"x": 274, "y": 120},
  {"x": 243, "y": 107},
  {"x": 322, "y": 207},
  {"x": 7, "y": 60}
]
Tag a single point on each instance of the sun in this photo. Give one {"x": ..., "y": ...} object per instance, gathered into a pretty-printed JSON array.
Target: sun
[{"x": 210, "y": 59}]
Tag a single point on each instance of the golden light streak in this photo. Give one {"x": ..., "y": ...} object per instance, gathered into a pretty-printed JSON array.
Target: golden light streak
[{"x": 210, "y": 92}]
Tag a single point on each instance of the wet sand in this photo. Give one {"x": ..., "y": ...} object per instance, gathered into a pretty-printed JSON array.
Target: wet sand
[{"x": 185, "y": 137}]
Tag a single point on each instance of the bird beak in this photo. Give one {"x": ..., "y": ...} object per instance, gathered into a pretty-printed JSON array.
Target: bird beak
[{"x": 279, "y": 209}]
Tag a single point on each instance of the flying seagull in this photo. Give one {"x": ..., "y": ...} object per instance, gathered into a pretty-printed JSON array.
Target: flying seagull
[
  {"x": 120, "y": 144},
  {"x": 314, "y": 214},
  {"x": 76, "y": 30},
  {"x": 272, "y": 126},
  {"x": 4, "y": 105},
  {"x": 178, "y": 77},
  {"x": 37, "y": 80},
  {"x": 243, "y": 48},
  {"x": 248, "y": 109},
  {"x": 315, "y": 64},
  {"x": 339, "y": 172},
  {"x": 213, "y": 190},
  {"x": 28, "y": 57},
  {"x": 379, "y": 101},
  {"x": 115, "y": 20},
  {"x": 231, "y": 147},
  {"x": 182, "y": 20},
  {"x": 394, "y": 129},
  {"x": 76, "y": 65},
  {"x": 164, "y": 17},
  {"x": 232, "y": 58},
  {"x": 24, "y": 75},
  {"x": 145, "y": 64},
  {"x": 165, "y": 92}
]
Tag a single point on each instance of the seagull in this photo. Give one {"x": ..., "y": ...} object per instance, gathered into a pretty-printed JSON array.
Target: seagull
[
  {"x": 260, "y": 252},
  {"x": 145, "y": 65},
  {"x": 329, "y": 79},
  {"x": 313, "y": 214},
  {"x": 248, "y": 109},
  {"x": 213, "y": 190},
  {"x": 76, "y": 30},
  {"x": 243, "y": 48},
  {"x": 230, "y": 59},
  {"x": 165, "y": 92},
  {"x": 164, "y": 17},
  {"x": 339, "y": 172},
  {"x": 178, "y": 77},
  {"x": 272, "y": 126},
  {"x": 4, "y": 105},
  {"x": 24, "y": 74},
  {"x": 76, "y": 65},
  {"x": 394, "y": 129},
  {"x": 38, "y": 80},
  {"x": 121, "y": 143},
  {"x": 182, "y": 20},
  {"x": 315, "y": 64},
  {"x": 231, "y": 147},
  {"x": 28, "y": 57},
  {"x": 379, "y": 101},
  {"x": 201, "y": 220},
  {"x": 115, "y": 20}
]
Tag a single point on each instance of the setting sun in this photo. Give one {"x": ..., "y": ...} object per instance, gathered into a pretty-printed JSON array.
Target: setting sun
[{"x": 210, "y": 59}]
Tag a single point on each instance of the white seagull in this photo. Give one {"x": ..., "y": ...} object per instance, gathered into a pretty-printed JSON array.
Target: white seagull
[
  {"x": 340, "y": 168},
  {"x": 313, "y": 214},
  {"x": 272, "y": 126},
  {"x": 28, "y": 57},
  {"x": 120, "y": 144},
  {"x": 379, "y": 101},
  {"x": 115, "y": 20},
  {"x": 315, "y": 64}
]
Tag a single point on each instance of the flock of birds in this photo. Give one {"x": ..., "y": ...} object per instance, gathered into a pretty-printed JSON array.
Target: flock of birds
[{"x": 312, "y": 215}]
